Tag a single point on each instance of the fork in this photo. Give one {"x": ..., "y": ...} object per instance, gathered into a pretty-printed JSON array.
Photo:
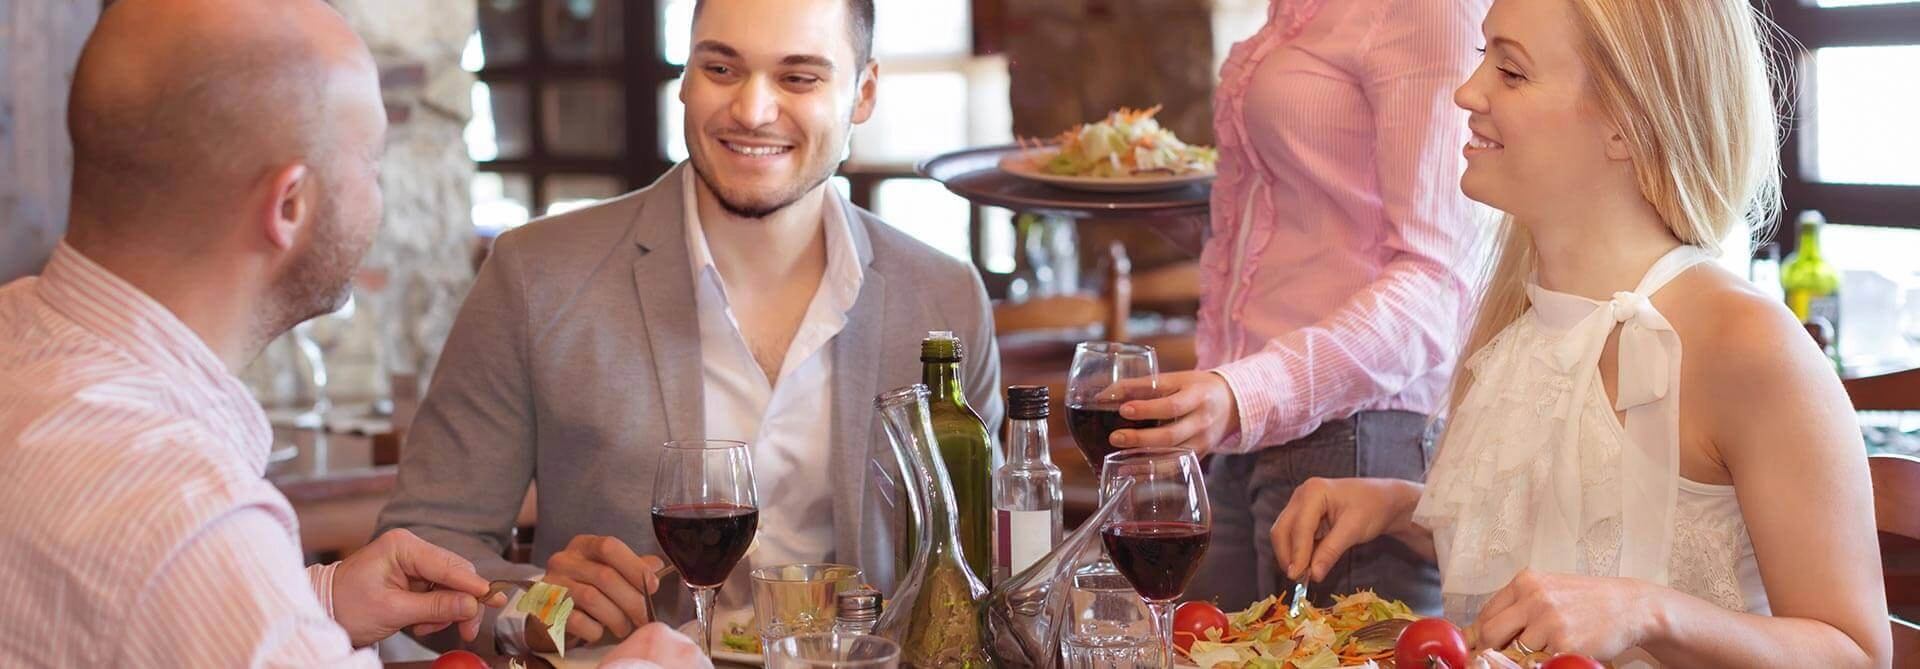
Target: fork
[
  {"x": 1299, "y": 596},
  {"x": 1380, "y": 632}
]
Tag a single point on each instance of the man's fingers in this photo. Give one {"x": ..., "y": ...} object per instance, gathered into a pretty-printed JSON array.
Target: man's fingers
[
  {"x": 603, "y": 610},
  {"x": 584, "y": 627},
  {"x": 421, "y": 560},
  {"x": 636, "y": 570},
  {"x": 438, "y": 608},
  {"x": 1162, "y": 408}
]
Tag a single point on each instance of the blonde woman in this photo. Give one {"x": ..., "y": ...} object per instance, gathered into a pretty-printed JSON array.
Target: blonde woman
[{"x": 1648, "y": 461}]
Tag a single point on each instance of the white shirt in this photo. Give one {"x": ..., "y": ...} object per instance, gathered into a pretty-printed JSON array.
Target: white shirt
[{"x": 788, "y": 421}]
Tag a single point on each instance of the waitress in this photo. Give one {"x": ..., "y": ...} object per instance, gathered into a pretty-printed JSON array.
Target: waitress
[{"x": 1335, "y": 284}]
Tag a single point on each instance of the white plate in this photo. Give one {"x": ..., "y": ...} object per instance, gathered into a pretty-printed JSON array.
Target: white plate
[
  {"x": 721, "y": 651},
  {"x": 1020, "y": 164}
]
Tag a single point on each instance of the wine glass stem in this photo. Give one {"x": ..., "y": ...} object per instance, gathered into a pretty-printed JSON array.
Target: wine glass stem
[
  {"x": 703, "y": 610},
  {"x": 1163, "y": 619}
]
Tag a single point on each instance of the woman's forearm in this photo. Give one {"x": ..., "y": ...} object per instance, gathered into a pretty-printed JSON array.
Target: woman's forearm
[
  {"x": 1689, "y": 632},
  {"x": 1418, "y": 538}
]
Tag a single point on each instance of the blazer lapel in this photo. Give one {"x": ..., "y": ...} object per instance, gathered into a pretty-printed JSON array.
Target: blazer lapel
[
  {"x": 856, "y": 375},
  {"x": 663, "y": 279}
]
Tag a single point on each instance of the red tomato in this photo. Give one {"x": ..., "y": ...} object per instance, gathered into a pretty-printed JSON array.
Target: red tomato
[
  {"x": 459, "y": 659},
  {"x": 1192, "y": 620},
  {"x": 1571, "y": 661},
  {"x": 1429, "y": 644}
]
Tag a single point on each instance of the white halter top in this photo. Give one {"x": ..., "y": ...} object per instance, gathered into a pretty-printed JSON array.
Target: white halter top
[{"x": 1536, "y": 470}]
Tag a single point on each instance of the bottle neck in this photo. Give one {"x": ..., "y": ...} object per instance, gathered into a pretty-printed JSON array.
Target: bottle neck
[
  {"x": 1810, "y": 241},
  {"x": 1027, "y": 441},
  {"x": 943, "y": 383}
]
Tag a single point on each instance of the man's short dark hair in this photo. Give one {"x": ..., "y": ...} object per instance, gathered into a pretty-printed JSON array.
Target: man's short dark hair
[{"x": 859, "y": 28}]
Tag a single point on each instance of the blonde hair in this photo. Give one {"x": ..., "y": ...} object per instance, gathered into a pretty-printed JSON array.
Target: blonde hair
[{"x": 1687, "y": 83}]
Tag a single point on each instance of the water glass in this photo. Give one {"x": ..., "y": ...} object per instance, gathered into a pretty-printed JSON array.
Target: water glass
[
  {"x": 1108, "y": 625},
  {"x": 833, "y": 651},
  {"x": 794, "y": 599}
]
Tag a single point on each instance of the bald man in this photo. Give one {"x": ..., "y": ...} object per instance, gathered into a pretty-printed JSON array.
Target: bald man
[{"x": 224, "y": 189}]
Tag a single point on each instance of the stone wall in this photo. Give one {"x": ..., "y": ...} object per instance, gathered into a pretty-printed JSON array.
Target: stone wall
[
  {"x": 420, "y": 266},
  {"x": 40, "y": 42},
  {"x": 1075, "y": 60}
]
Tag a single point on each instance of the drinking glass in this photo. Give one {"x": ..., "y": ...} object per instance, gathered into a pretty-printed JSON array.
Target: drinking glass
[
  {"x": 833, "y": 651},
  {"x": 1105, "y": 375},
  {"x": 795, "y": 599},
  {"x": 1160, "y": 531},
  {"x": 704, "y": 516}
]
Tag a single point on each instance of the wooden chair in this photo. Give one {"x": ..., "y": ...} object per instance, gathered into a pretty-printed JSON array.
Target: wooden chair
[
  {"x": 1896, "y": 514},
  {"x": 1906, "y": 645},
  {"x": 1076, "y": 312}
]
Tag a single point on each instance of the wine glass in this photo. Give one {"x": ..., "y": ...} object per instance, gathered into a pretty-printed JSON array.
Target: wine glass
[
  {"x": 704, "y": 516},
  {"x": 1105, "y": 375},
  {"x": 1160, "y": 531}
]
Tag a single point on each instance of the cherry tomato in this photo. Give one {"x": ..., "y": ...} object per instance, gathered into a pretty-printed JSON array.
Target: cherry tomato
[
  {"x": 1429, "y": 644},
  {"x": 1192, "y": 620},
  {"x": 1571, "y": 661},
  {"x": 459, "y": 659}
]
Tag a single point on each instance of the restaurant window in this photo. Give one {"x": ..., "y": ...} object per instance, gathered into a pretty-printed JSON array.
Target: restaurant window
[
  {"x": 1850, "y": 152},
  {"x": 579, "y": 99}
]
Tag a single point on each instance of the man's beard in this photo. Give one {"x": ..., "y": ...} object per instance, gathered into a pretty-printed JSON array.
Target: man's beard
[
  {"x": 319, "y": 281},
  {"x": 746, "y": 205}
]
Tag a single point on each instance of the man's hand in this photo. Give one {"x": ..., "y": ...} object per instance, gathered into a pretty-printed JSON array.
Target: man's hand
[
  {"x": 401, "y": 581},
  {"x": 1198, "y": 409},
  {"x": 609, "y": 585}
]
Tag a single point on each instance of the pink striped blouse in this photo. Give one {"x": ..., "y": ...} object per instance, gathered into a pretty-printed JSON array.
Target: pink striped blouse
[
  {"x": 136, "y": 529},
  {"x": 1336, "y": 275}
]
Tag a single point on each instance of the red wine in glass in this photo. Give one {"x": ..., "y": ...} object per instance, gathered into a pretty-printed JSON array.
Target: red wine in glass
[
  {"x": 705, "y": 540},
  {"x": 1093, "y": 425},
  {"x": 1158, "y": 557}
]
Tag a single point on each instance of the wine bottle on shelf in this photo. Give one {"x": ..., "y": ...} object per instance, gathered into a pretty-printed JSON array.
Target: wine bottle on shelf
[
  {"x": 1026, "y": 490},
  {"x": 965, "y": 447},
  {"x": 1811, "y": 284}
]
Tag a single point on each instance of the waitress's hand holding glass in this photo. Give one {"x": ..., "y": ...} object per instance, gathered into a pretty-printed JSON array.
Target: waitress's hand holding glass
[
  {"x": 1160, "y": 531},
  {"x": 1193, "y": 410},
  {"x": 1106, "y": 375},
  {"x": 705, "y": 514}
]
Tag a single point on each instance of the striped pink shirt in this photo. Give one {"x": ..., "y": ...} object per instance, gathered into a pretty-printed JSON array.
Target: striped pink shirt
[
  {"x": 136, "y": 529},
  {"x": 1335, "y": 278}
]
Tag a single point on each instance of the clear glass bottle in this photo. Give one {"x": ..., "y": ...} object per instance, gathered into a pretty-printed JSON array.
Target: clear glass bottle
[
  {"x": 1026, "y": 490},
  {"x": 938, "y": 614}
]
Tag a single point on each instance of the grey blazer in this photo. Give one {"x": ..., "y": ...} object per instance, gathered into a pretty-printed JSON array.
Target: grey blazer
[{"x": 577, "y": 355}]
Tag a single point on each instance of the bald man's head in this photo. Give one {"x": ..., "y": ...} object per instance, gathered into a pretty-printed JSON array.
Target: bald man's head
[
  {"x": 178, "y": 102},
  {"x": 243, "y": 135}
]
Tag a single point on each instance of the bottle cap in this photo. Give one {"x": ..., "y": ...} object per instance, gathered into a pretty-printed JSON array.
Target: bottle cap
[
  {"x": 858, "y": 604},
  {"x": 941, "y": 346},
  {"x": 1027, "y": 402}
]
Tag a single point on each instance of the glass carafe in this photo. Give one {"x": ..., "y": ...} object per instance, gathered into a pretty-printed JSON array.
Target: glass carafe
[{"x": 938, "y": 614}]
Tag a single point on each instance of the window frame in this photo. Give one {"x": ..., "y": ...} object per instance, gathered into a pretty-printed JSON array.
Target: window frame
[{"x": 1813, "y": 28}]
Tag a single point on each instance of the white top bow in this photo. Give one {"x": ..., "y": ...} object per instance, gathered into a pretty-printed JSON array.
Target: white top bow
[{"x": 1535, "y": 471}]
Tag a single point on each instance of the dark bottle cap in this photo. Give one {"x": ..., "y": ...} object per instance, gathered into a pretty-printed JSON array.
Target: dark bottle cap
[
  {"x": 941, "y": 346},
  {"x": 1027, "y": 402}
]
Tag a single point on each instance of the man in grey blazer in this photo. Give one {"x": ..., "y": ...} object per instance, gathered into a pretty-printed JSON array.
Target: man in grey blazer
[{"x": 738, "y": 297}]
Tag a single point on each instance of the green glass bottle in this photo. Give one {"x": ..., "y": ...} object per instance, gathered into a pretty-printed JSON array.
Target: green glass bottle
[
  {"x": 965, "y": 447},
  {"x": 1812, "y": 285}
]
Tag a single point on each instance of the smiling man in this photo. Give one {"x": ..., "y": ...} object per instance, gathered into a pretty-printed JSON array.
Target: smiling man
[{"x": 739, "y": 297}]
